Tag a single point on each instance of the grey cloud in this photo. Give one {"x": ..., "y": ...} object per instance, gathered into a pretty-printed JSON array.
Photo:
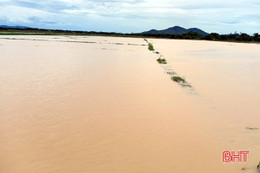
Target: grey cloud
[
  {"x": 231, "y": 22},
  {"x": 153, "y": 13},
  {"x": 28, "y": 4},
  {"x": 38, "y": 20},
  {"x": 49, "y": 6}
]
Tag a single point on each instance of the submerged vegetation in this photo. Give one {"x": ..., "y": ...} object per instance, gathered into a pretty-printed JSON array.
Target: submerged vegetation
[
  {"x": 251, "y": 128},
  {"x": 178, "y": 79},
  {"x": 181, "y": 81},
  {"x": 150, "y": 47},
  {"x": 161, "y": 61}
]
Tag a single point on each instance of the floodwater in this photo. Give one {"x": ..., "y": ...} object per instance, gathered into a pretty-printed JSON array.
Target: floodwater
[{"x": 104, "y": 105}]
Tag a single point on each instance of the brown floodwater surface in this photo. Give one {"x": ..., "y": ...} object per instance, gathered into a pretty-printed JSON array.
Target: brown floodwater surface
[{"x": 104, "y": 105}]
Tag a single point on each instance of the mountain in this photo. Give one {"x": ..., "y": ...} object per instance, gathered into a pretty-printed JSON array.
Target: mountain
[
  {"x": 197, "y": 30},
  {"x": 14, "y": 27},
  {"x": 176, "y": 30}
]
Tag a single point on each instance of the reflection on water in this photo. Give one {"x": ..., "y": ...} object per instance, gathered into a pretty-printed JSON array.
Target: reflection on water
[{"x": 71, "y": 106}]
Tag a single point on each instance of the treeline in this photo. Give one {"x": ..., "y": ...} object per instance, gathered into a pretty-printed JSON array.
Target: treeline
[
  {"x": 233, "y": 37},
  {"x": 242, "y": 37},
  {"x": 36, "y": 31}
]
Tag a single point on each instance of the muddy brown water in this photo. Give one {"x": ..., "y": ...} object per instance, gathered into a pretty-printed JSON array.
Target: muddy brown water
[{"x": 104, "y": 105}]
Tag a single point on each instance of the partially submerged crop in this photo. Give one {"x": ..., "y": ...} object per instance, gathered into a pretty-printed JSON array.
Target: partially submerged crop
[
  {"x": 178, "y": 79},
  {"x": 161, "y": 61},
  {"x": 251, "y": 128},
  {"x": 150, "y": 47},
  {"x": 181, "y": 81}
]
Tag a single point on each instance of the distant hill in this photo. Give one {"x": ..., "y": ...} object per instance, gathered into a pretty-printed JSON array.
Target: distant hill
[
  {"x": 176, "y": 30},
  {"x": 14, "y": 27}
]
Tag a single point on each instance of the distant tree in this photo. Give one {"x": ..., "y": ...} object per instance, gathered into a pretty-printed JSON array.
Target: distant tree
[
  {"x": 224, "y": 37},
  {"x": 256, "y": 37},
  {"x": 191, "y": 35},
  {"x": 212, "y": 36},
  {"x": 234, "y": 37},
  {"x": 245, "y": 37},
  {"x": 207, "y": 37},
  {"x": 215, "y": 36}
]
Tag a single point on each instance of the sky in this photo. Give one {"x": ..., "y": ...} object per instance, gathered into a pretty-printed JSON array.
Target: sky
[{"x": 127, "y": 16}]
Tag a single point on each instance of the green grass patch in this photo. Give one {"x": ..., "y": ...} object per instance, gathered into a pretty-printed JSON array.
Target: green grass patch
[{"x": 161, "y": 61}]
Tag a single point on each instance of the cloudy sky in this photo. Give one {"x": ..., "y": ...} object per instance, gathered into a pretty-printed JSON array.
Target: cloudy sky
[{"x": 223, "y": 16}]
